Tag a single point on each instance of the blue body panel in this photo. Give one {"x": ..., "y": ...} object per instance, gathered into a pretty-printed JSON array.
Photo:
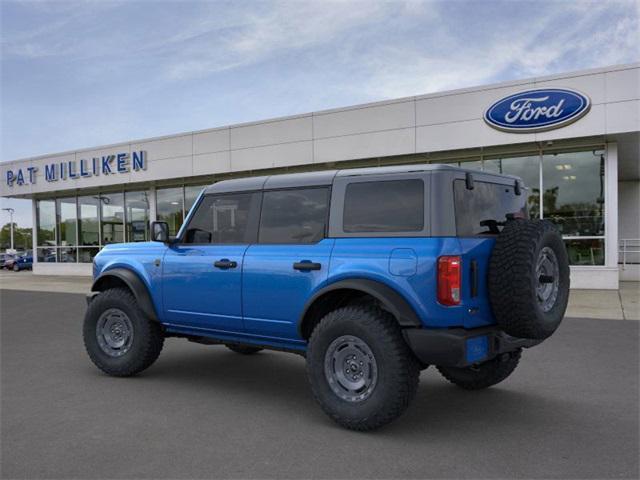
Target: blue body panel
[
  {"x": 391, "y": 261},
  {"x": 138, "y": 257},
  {"x": 196, "y": 293},
  {"x": 261, "y": 300},
  {"x": 476, "y": 249},
  {"x": 274, "y": 293}
]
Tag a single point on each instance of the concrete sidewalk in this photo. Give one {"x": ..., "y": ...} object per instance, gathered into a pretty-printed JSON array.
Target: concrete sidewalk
[
  {"x": 26, "y": 280},
  {"x": 623, "y": 304}
]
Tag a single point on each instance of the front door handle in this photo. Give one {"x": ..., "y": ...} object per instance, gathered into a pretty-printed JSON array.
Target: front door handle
[
  {"x": 225, "y": 263},
  {"x": 306, "y": 265}
]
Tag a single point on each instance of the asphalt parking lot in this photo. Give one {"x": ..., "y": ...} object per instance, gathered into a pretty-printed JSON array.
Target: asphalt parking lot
[{"x": 569, "y": 411}]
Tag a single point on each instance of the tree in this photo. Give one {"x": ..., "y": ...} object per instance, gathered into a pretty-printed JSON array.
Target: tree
[{"x": 22, "y": 237}]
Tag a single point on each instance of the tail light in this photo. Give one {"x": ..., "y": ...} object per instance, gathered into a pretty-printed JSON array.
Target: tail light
[{"x": 449, "y": 281}]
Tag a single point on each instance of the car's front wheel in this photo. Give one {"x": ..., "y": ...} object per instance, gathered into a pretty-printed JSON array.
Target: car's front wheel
[
  {"x": 16, "y": 268},
  {"x": 361, "y": 371},
  {"x": 120, "y": 340}
]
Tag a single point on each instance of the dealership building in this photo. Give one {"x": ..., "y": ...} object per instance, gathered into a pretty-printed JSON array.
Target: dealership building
[{"x": 573, "y": 138}]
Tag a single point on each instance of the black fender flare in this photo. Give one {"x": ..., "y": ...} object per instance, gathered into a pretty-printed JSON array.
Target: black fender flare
[
  {"x": 135, "y": 284},
  {"x": 392, "y": 301}
]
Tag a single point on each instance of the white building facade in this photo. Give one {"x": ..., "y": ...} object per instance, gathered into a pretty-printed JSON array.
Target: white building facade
[{"x": 582, "y": 171}]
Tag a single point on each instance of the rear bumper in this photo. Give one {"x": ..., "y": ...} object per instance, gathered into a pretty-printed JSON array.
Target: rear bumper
[{"x": 459, "y": 347}]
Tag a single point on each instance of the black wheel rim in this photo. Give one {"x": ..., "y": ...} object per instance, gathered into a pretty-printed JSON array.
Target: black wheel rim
[
  {"x": 548, "y": 279},
  {"x": 350, "y": 368},
  {"x": 114, "y": 332}
]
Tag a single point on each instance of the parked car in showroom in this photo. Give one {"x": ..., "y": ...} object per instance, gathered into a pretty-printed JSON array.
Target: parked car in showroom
[
  {"x": 23, "y": 262},
  {"x": 371, "y": 274},
  {"x": 4, "y": 257},
  {"x": 8, "y": 260}
]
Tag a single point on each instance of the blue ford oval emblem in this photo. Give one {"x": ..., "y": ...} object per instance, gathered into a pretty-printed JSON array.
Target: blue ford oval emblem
[{"x": 537, "y": 110}]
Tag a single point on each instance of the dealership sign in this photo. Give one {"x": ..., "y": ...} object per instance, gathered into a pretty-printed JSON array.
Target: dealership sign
[
  {"x": 77, "y": 169},
  {"x": 537, "y": 110}
]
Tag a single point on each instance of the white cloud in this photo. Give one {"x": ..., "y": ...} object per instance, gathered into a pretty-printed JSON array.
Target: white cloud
[
  {"x": 534, "y": 47},
  {"x": 285, "y": 27}
]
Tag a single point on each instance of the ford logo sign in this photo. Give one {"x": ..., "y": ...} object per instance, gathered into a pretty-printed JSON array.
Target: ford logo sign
[{"x": 537, "y": 110}]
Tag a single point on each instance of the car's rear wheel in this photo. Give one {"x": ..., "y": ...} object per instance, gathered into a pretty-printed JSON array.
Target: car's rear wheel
[
  {"x": 243, "y": 349},
  {"x": 120, "y": 340},
  {"x": 484, "y": 375},
  {"x": 360, "y": 369},
  {"x": 16, "y": 268}
]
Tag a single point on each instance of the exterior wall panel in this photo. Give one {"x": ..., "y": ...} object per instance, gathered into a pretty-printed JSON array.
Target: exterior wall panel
[
  {"x": 378, "y": 144},
  {"x": 593, "y": 123},
  {"x": 623, "y": 116},
  {"x": 623, "y": 85},
  {"x": 462, "y": 107},
  {"x": 171, "y": 147},
  {"x": 593, "y": 85},
  {"x": 283, "y": 155},
  {"x": 271, "y": 133},
  {"x": 362, "y": 120},
  {"x": 212, "y": 141},
  {"x": 467, "y": 134},
  {"x": 211, "y": 163}
]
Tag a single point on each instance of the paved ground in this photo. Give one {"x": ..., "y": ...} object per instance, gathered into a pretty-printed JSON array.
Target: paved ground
[
  {"x": 26, "y": 280},
  {"x": 610, "y": 304},
  {"x": 569, "y": 411}
]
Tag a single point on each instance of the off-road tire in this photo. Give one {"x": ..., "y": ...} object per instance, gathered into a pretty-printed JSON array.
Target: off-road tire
[
  {"x": 147, "y": 341},
  {"x": 398, "y": 370},
  {"x": 484, "y": 375},
  {"x": 243, "y": 349},
  {"x": 513, "y": 281}
]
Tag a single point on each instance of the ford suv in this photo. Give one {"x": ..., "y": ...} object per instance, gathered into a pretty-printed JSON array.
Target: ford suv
[{"x": 371, "y": 274}]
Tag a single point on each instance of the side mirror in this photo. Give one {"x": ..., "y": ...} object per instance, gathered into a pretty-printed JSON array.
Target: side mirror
[{"x": 160, "y": 232}]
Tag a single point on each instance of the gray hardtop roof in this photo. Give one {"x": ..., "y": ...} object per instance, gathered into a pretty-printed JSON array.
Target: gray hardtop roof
[{"x": 326, "y": 177}]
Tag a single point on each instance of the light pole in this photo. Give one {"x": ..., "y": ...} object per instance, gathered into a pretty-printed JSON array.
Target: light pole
[{"x": 11, "y": 212}]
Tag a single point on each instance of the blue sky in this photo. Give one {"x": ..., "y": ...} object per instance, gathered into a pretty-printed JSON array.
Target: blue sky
[{"x": 80, "y": 74}]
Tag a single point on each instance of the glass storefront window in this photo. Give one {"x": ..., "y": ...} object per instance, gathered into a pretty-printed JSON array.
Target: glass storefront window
[
  {"x": 46, "y": 254},
  {"x": 527, "y": 168},
  {"x": 74, "y": 230},
  {"x": 86, "y": 254},
  {"x": 88, "y": 223},
  {"x": 66, "y": 209},
  {"x": 585, "y": 251},
  {"x": 190, "y": 195},
  {"x": 112, "y": 220},
  {"x": 137, "y": 216},
  {"x": 169, "y": 208},
  {"x": 46, "y": 219},
  {"x": 574, "y": 192},
  {"x": 67, "y": 255},
  {"x": 472, "y": 165}
]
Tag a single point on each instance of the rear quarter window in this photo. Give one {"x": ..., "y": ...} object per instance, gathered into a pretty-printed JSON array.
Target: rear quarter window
[
  {"x": 294, "y": 216},
  {"x": 485, "y": 202},
  {"x": 384, "y": 206}
]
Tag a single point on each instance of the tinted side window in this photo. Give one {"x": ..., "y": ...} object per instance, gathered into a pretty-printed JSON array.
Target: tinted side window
[
  {"x": 224, "y": 219},
  {"x": 487, "y": 201},
  {"x": 294, "y": 216},
  {"x": 387, "y": 206}
]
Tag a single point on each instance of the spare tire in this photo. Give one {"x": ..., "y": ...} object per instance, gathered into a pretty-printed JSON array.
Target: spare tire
[{"x": 529, "y": 278}]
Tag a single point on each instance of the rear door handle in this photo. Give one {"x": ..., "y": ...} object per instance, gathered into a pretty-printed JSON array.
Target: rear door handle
[
  {"x": 306, "y": 265},
  {"x": 225, "y": 263}
]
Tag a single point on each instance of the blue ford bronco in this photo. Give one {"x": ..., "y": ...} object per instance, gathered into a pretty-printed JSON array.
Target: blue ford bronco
[{"x": 371, "y": 274}]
